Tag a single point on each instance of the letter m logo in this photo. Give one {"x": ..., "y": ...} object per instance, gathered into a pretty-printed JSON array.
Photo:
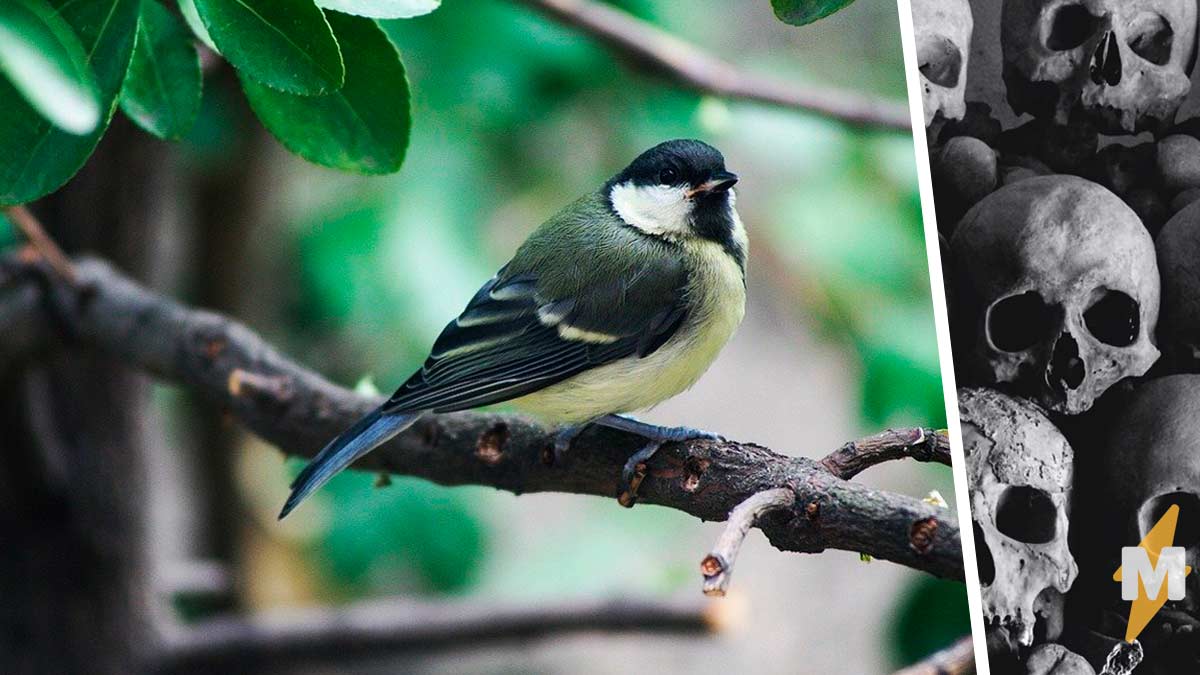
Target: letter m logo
[{"x": 1171, "y": 568}]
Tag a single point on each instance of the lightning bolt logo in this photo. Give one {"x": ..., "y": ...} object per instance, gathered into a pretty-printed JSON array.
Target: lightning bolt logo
[{"x": 1143, "y": 609}]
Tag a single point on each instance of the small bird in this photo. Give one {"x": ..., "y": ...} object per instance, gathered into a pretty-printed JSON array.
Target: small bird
[{"x": 618, "y": 302}]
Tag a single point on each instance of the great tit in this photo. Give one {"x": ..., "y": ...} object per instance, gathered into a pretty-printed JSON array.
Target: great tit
[{"x": 618, "y": 302}]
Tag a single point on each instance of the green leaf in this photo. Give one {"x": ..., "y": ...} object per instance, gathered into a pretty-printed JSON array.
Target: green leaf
[
  {"x": 35, "y": 157},
  {"x": 162, "y": 88},
  {"x": 285, "y": 44},
  {"x": 364, "y": 127},
  {"x": 190, "y": 16},
  {"x": 803, "y": 12},
  {"x": 383, "y": 9},
  {"x": 45, "y": 62},
  {"x": 930, "y": 614}
]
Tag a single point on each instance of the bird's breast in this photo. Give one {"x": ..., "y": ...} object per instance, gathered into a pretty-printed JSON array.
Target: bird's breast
[{"x": 716, "y": 298}]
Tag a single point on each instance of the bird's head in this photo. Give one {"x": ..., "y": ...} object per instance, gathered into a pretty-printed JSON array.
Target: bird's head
[{"x": 676, "y": 190}]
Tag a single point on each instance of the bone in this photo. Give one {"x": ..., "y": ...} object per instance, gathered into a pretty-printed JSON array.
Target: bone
[
  {"x": 1101, "y": 61},
  {"x": 1020, "y": 468},
  {"x": 943, "y": 38},
  {"x": 1043, "y": 252}
]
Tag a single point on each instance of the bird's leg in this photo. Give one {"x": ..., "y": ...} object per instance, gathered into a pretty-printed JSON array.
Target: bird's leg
[
  {"x": 634, "y": 471},
  {"x": 564, "y": 437}
]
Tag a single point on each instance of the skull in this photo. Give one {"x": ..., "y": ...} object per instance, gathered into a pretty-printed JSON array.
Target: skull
[
  {"x": 1056, "y": 291},
  {"x": 943, "y": 36},
  {"x": 1123, "y": 64},
  {"x": 1179, "y": 261},
  {"x": 1019, "y": 469},
  {"x": 1152, "y": 461}
]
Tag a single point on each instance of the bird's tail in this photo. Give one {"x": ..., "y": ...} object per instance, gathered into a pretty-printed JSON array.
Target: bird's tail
[{"x": 373, "y": 430}]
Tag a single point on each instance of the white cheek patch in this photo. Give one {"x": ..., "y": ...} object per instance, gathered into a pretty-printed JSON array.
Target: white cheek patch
[{"x": 661, "y": 210}]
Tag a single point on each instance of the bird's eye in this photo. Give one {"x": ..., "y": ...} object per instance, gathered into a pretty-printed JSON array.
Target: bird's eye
[{"x": 667, "y": 177}]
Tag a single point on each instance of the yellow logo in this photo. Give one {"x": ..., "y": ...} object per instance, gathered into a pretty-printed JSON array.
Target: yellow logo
[{"x": 1156, "y": 567}]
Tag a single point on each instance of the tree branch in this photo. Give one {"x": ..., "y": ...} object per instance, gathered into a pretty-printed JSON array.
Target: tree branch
[
  {"x": 299, "y": 411},
  {"x": 923, "y": 445},
  {"x": 957, "y": 659},
  {"x": 688, "y": 65},
  {"x": 41, "y": 242},
  {"x": 393, "y": 626},
  {"x": 717, "y": 566}
]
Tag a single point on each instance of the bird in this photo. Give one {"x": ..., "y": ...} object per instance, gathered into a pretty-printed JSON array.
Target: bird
[{"x": 618, "y": 302}]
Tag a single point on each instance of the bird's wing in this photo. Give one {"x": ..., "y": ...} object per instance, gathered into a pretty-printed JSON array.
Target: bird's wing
[{"x": 522, "y": 332}]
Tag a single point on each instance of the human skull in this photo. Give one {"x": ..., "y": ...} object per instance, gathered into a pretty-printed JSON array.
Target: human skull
[
  {"x": 1056, "y": 291},
  {"x": 943, "y": 36},
  {"x": 1179, "y": 262},
  {"x": 1124, "y": 64},
  {"x": 1019, "y": 469},
  {"x": 1152, "y": 461}
]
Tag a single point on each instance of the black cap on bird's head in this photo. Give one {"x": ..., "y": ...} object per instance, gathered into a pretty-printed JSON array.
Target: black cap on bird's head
[
  {"x": 679, "y": 190},
  {"x": 695, "y": 165}
]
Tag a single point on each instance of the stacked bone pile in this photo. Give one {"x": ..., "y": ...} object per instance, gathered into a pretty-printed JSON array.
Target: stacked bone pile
[{"x": 1071, "y": 251}]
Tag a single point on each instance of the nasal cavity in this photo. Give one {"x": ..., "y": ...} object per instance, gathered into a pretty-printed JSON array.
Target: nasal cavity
[
  {"x": 1066, "y": 368},
  {"x": 1106, "y": 61}
]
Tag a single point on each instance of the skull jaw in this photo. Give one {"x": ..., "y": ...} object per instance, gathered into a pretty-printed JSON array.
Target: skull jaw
[{"x": 1148, "y": 103}]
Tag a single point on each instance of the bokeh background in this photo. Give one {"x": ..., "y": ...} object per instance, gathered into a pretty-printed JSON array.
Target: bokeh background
[{"x": 514, "y": 116}]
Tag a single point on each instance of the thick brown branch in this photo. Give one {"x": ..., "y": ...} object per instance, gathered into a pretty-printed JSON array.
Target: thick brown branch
[
  {"x": 957, "y": 659},
  {"x": 923, "y": 445},
  {"x": 717, "y": 566},
  {"x": 389, "y": 627},
  {"x": 694, "y": 68},
  {"x": 299, "y": 411}
]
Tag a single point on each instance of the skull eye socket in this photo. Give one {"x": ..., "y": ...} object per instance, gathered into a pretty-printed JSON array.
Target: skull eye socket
[
  {"x": 983, "y": 556},
  {"x": 1187, "y": 528},
  {"x": 1018, "y": 322},
  {"x": 939, "y": 60},
  {"x": 1151, "y": 37},
  {"x": 1113, "y": 319},
  {"x": 1070, "y": 27},
  {"x": 1026, "y": 514}
]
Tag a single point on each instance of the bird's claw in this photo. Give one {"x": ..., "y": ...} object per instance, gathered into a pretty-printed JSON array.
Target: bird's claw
[
  {"x": 633, "y": 473},
  {"x": 563, "y": 440}
]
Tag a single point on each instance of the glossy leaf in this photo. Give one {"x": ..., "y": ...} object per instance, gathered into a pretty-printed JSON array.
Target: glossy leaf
[
  {"x": 187, "y": 8},
  {"x": 382, "y": 9},
  {"x": 284, "y": 44},
  {"x": 45, "y": 62},
  {"x": 35, "y": 157},
  {"x": 162, "y": 88},
  {"x": 803, "y": 12},
  {"x": 363, "y": 127}
]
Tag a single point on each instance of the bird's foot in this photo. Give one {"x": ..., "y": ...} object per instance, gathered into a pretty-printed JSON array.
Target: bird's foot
[
  {"x": 563, "y": 439},
  {"x": 634, "y": 471}
]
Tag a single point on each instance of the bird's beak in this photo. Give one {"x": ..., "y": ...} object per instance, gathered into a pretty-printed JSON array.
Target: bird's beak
[{"x": 718, "y": 182}]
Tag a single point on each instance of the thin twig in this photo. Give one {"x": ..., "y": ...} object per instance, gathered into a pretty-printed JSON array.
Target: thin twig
[
  {"x": 957, "y": 659},
  {"x": 923, "y": 445},
  {"x": 717, "y": 566},
  {"x": 395, "y": 626},
  {"x": 42, "y": 243},
  {"x": 695, "y": 68},
  {"x": 299, "y": 411}
]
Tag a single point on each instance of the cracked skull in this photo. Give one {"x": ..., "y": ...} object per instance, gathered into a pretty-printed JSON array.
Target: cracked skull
[
  {"x": 1056, "y": 290},
  {"x": 1123, "y": 64},
  {"x": 1019, "y": 470},
  {"x": 1152, "y": 462},
  {"x": 943, "y": 36}
]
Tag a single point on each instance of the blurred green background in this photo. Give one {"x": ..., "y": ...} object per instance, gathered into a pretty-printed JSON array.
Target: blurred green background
[{"x": 514, "y": 116}]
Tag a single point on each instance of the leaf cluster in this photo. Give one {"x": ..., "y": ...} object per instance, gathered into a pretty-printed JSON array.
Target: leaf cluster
[{"x": 321, "y": 75}]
